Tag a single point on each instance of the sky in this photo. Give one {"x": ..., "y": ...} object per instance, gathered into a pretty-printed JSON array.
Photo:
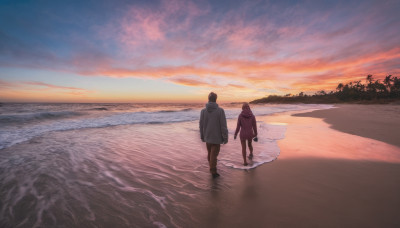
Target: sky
[{"x": 179, "y": 51}]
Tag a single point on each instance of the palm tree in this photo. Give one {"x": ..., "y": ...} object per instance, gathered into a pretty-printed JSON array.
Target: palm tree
[
  {"x": 396, "y": 85},
  {"x": 358, "y": 86},
  {"x": 340, "y": 87},
  {"x": 369, "y": 79},
  {"x": 380, "y": 87},
  {"x": 370, "y": 85},
  {"x": 387, "y": 81}
]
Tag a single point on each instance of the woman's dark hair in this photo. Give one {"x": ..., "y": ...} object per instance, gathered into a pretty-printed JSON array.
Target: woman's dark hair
[{"x": 245, "y": 106}]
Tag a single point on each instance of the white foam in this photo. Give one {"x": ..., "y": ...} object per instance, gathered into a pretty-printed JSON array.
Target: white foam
[
  {"x": 265, "y": 150},
  {"x": 159, "y": 224}
]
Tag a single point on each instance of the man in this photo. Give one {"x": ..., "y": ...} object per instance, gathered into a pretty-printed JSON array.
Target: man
[{"x": 213, "y": 130}]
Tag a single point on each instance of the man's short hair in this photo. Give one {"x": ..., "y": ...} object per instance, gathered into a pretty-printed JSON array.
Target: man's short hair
[{"x": 212, "y": 97}]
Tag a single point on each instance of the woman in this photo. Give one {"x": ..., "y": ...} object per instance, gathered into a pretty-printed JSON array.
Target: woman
[{"x": 248, "y": 130}]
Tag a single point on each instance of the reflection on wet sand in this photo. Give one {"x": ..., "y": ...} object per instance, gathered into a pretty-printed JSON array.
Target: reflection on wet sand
[{"x": 312, "y": 137}]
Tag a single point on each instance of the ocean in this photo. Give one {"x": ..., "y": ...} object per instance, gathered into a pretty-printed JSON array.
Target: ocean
[{"x": 121, "y": 165}]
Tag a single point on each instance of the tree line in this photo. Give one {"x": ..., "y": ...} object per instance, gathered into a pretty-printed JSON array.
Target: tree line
[{"x": 372, "y": 91}]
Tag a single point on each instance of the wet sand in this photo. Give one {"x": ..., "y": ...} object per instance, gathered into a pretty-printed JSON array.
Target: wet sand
[
  {"x": 323, "y": 177},
  {"x": 380, "y": 122},
  {"x": 311, "y": 193}
]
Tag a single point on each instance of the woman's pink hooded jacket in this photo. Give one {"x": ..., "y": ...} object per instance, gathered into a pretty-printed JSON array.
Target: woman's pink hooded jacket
[{"x": 246, "y": 124}]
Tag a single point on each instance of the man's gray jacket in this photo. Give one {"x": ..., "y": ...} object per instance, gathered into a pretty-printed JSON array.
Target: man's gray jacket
[{"x": 212, "y": 124}]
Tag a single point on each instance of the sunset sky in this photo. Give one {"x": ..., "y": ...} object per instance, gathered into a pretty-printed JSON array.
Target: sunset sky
[{"x": 179, "y": 51}]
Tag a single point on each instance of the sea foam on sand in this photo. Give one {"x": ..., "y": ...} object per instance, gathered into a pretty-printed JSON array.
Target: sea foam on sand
[{"x": 265, "y": 150}]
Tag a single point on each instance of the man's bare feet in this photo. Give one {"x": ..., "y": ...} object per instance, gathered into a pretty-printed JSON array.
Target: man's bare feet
[
  {"x": 245, "y": 164},
  {"x": 250, "y": 156}
]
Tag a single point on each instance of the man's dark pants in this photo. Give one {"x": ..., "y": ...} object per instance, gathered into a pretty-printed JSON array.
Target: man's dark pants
[{"x": 213, "y": 151}]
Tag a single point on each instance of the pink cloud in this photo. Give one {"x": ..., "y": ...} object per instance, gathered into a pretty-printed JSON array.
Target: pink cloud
[
  {"x": 148, "y": 25},
  {"x": 42, "y": 84},
  {"x": 5, "y": 84}
]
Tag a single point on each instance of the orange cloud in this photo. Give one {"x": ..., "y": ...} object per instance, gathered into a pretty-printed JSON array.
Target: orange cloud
[
  {"x": 237, "y": 86},
  {"x": 38, "y": 92},
  {"x": 191, "y": 82}
]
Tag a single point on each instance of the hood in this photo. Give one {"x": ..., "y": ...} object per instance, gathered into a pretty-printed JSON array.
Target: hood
[
  {"x": 247, "y": 113},
  {"x": 211, "y": 106}
]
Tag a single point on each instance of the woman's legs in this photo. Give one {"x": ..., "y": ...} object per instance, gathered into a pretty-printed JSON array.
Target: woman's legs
[
  {"x": 243, "y": 142},
  {"x": 250, "y": 148}
]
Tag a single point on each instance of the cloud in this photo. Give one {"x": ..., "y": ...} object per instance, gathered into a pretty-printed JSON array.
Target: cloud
[
  {"x": 6, "y": 85},
  {"x": 42, "y": 84},
  {"x": 237, "y": 86},
  {"x": 146, "y": 25},
  {"x": 38, "y": 86},
  {"x": 157, "y": 72},
  {"x": 192, "y": 82}
]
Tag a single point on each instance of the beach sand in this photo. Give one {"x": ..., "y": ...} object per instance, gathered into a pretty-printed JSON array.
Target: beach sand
[{"x": 323, "y": 177}]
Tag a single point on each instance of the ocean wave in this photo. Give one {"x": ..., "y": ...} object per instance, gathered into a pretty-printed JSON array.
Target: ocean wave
[
  {"x": 13, "y": 134},
  {"x": 99, "y": 109},
  {"x": 180, "y": 110},
  {"x": 28, "y": 117}
]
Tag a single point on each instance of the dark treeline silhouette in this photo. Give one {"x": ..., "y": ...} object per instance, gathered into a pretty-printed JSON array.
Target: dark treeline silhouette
[{"x": 373, "y": 91}]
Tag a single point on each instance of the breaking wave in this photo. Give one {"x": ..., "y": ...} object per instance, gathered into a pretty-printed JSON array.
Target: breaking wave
[{"x": 29, "y": 117}]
